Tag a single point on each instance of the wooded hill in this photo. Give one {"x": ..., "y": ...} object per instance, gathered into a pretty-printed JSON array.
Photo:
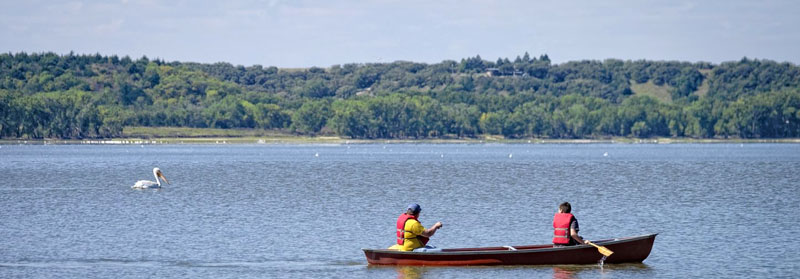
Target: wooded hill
[{"x": 45, "y": 95}]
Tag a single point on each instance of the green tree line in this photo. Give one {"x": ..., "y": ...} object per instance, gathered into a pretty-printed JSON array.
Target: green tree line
[{"x": 45, "y": 95}]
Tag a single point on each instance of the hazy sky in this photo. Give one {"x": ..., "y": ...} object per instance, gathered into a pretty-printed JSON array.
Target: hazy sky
[{"x": 324, "y": 33}]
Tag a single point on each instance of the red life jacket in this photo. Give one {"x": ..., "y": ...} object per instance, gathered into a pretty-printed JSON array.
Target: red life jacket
[
  {"x": 401, "y": 229},
  {"x": 561, "y": 224}
]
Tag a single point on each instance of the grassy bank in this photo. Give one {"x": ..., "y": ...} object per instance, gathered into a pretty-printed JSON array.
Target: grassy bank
[
  {"x": 178, "y": 134},
  {"x": 182, "y": 132},
  {"x": 211, "y": 135}
]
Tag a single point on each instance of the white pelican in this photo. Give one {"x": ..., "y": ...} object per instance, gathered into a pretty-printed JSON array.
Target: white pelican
[{"x": 146, "y": 184}]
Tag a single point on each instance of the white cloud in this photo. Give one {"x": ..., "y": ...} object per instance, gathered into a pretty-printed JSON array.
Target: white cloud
[
  {"x": 110, "y": 27},
  {"x": 73, "y": 7}
]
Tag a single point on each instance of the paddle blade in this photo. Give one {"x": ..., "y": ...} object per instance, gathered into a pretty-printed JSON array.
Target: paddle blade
[{"x": 602, "y": 249}]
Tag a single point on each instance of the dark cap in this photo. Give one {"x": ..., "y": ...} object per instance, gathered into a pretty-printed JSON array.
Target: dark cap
[{"x": 414, "y": 208}]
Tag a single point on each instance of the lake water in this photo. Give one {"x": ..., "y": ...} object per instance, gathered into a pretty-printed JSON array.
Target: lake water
[{"x": 305, "y": 211}]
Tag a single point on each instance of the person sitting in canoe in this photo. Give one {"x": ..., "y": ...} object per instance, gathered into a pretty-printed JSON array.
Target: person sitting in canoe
[
  {"x": 565, "y": 227},
  {"x": 410, "y": 232}
]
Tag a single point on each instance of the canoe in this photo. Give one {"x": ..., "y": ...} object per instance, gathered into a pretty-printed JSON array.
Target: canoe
[{"x": 626, "y": 250}]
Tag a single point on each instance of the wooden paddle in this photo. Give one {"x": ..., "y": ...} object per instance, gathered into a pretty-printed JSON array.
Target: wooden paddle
[{"x": 602, "y": 249}]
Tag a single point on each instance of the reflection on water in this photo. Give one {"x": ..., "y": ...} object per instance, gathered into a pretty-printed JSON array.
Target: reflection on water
[
  {"x": 637, "y": 270},
  {"x": 409, "y": 272},
  {"x": 563, "y": 273},
  {"x": 577, "y": 271}
]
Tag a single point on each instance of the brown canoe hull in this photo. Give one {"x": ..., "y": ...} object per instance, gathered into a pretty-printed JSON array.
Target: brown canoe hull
[{"x": 626, "y": 250}]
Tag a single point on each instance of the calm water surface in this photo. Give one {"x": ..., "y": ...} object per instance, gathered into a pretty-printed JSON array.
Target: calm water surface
[{"x": 265, "y": 211}]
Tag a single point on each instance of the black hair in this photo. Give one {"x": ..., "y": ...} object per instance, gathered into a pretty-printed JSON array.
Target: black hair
[{"x": 565, "y": 207}]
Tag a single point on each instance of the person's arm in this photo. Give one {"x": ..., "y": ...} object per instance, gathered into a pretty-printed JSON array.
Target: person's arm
[
  {"x": 432, "y": 230},
  {"x": 574, "y": 234}
]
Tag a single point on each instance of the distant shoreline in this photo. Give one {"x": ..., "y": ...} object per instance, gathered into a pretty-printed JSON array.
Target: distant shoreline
[
  {"x": 183, "y": 135},
  {"x": 335, "y": 140}
]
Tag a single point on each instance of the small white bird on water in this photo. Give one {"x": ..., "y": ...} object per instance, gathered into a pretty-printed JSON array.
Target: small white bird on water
[{"x": 147, "y": 184}]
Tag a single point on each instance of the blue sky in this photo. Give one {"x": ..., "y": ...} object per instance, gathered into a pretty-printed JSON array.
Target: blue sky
[{"x": 323, "y": 33}]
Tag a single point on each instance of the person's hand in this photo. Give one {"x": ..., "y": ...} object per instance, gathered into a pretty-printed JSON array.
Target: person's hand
[
  {"x": 438, "y": 225},
  {"x": 585, "y": 242}
]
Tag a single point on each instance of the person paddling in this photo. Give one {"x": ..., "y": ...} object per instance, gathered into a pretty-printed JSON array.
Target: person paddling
[
  {"x": 565, "y": 227},
  {"x": 410, "y": 232}
]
